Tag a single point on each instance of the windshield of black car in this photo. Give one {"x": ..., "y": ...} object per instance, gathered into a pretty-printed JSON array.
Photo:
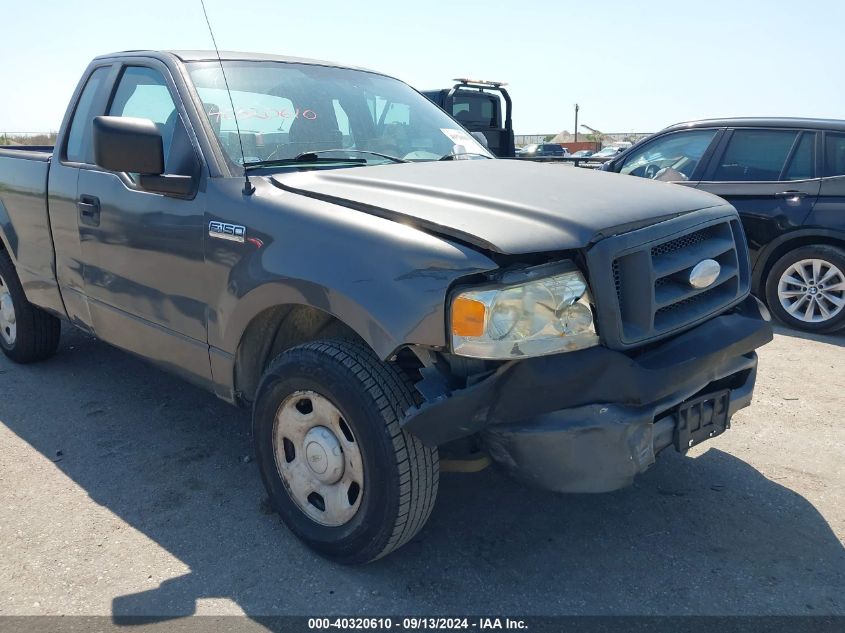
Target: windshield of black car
[{"x": 287, "y": 109}]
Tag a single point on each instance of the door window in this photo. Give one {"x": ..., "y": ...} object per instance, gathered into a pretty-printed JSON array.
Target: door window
[
  {"x": 673, "y": 157},
  {"x": 143, "y": 93},
  {"x": 834, "y": 154},
  {"x": 755, "y": 156},
  {"x": 79, "y": 148},
  {"x": 801, "y": 164}
]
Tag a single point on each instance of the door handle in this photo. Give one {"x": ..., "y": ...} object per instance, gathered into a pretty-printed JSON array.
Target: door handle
[
  {"x": 791, "y": 194},
  {"x": 89, "y": 210}
]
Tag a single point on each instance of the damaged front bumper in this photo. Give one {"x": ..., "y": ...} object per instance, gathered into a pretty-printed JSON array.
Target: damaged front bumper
[{"x": 589, "y": 421}]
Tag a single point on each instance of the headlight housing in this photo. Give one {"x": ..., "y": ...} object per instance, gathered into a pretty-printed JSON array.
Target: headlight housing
[{"x": 543, "y": 315}]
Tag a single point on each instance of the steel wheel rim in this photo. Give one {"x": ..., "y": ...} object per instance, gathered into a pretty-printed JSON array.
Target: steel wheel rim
[
  {"x": 311, "y": 442},
  {"x": 812, "y": 290},
  {"x": 8, "y": 319}
]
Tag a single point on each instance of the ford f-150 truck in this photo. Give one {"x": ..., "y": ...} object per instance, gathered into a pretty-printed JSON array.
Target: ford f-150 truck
[{"x": 326, "y": 246}]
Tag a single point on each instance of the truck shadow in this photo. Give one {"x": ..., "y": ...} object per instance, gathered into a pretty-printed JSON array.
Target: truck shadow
[{"x": 704, "y": 535}]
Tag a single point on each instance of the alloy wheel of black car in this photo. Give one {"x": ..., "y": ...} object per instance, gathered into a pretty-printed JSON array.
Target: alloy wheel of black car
[
  {"x": 340, "y": 471},
  {"x": 805, "y": 289}
]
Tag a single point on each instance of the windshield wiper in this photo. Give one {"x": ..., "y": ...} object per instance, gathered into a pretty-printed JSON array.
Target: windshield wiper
[
  {"x": 303, "y": 160},
  {"x": 306, "y": 158},
  {"x": 394, "y": 159},
  {"x": 458, "y": 156}
]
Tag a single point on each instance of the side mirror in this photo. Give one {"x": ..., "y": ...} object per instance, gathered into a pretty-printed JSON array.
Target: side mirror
[
  {"x": 128, "y": 144},
  {"x": 479, "y": 136},
  {"x": 135, "y": 146}
]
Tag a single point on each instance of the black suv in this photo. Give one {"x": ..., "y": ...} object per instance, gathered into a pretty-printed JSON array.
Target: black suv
[{"x": 786, "y": 177}]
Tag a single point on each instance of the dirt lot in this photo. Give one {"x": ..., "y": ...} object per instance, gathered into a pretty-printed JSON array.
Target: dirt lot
[{"x": 124, "y": 491}]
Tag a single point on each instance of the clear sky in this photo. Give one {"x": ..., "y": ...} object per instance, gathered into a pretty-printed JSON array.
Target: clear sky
[{"x": 634, "y": 65}]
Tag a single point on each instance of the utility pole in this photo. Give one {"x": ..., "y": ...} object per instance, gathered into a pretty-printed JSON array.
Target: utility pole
[{"x": 577, "y": 107}]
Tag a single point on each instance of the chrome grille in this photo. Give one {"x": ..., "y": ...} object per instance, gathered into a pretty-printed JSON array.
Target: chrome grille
[{"x": 648, "y": 276}]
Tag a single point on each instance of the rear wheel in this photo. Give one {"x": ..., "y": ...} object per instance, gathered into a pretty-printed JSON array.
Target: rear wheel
[
  {"x": 27, "y": 333},
  {"x": 339, "y": 469},
  {"x": 805, "y": 288}
]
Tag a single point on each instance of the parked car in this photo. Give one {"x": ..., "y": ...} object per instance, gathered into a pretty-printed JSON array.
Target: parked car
[
  {"x": 583, "y": 153},
  {"x": 543, "y": 149},
  {"x": 786, "y": 177},
  {"x": 607, "y": 152},
  {"x": 320, "y": 253}
]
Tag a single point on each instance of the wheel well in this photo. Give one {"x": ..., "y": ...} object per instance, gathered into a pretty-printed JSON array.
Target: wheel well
[
  {"x": 782, "y": 249},
  {"x": 275, "y": 330}
]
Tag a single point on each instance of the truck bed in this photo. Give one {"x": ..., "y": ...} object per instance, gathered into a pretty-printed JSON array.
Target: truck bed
[
  {"x": 23, "y": 215},
  {"x": 29, "y": 152}
]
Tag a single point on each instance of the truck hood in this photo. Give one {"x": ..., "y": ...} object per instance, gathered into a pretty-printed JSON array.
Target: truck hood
[{"x": 505, "y": 206}]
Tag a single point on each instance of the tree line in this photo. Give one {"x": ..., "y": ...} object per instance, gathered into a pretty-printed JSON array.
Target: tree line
[{"x": 10, "y": 138}]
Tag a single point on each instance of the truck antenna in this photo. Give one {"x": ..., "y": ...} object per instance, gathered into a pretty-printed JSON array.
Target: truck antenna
[{"x": 249, "y": 189}]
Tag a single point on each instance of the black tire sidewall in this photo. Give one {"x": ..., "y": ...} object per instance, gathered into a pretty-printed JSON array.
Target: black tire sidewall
[
  {"x": 363, "y": 537},
  {"x": 10, "y": 277},
  {"x": 827, "y": 253}
]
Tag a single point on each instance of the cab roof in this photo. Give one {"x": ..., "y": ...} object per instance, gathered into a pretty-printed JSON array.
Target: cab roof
[
  {"x": 769, "y": 122},
  {"x": 211, "y": 55}
]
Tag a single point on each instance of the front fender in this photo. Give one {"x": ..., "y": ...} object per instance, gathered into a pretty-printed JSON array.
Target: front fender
[
  {"x": 306, "y": 293},
  {"x": 385, "y": 280}
]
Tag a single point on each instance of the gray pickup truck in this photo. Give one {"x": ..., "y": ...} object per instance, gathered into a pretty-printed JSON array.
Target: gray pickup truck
[{"x": 326, "y": 246}]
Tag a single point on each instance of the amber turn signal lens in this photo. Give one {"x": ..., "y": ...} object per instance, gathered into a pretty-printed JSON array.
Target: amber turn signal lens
[{"x": 468, "y": 317}]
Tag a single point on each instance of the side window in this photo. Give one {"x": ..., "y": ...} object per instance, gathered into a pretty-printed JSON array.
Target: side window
[
  {"x": 343, "y": 124},
  {"x": 755, "y": 155},
  {"x": 79, "y": 147},
  {"x": 673, "y": 157},
  {"x": 801, "y": 164},
  {"x": 143, "y": 93},
  {"x": 398, "y": 113},
  {"x": 834, "y": 154}
]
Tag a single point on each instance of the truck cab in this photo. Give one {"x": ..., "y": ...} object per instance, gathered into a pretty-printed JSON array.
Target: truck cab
[{"x": 480, "y": 106}]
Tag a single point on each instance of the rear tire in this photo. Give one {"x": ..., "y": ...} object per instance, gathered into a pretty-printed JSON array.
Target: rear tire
[
  {"x": 805, "y": 289},
  {"x": 27, "y": 333},
  {"x": 340, "y": 471}
]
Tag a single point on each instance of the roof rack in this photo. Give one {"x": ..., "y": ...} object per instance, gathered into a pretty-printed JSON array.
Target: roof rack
[{"x": 480, "y": 83}]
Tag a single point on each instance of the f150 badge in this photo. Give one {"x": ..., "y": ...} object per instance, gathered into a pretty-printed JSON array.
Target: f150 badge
[{"x": 226, "y": 231}]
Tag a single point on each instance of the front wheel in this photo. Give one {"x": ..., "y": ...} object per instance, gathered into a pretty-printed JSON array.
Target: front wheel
[
  {"x": 340, "y": 471},
  {"x": 805, "y": 289}
]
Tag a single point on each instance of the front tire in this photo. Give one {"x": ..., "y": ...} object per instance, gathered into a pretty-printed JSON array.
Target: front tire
[
  {"x": 805, "y": 289},
  {"x": 27, "y": 333},
  {"x": 340, "y": 471}
]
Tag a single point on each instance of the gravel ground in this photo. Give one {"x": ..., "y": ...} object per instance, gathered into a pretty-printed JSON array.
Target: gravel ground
[{"x": 124, "y": 491}]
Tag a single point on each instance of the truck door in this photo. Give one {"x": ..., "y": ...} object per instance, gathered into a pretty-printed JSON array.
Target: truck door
[
  {"x": 72, "y": 153},
  {"x": 769, "y": 175},
  {"x": 829, "y": 211},
  {"x": 142, "y": 253}
]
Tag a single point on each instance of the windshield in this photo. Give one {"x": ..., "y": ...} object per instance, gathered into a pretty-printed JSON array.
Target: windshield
[{"x": 285, "y": 110}]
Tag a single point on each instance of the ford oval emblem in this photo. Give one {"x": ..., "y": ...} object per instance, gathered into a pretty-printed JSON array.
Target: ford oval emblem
[{"x": 704, "y": 273}]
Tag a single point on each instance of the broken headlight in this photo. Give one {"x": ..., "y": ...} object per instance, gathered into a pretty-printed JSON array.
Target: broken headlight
[{"x": 542, "y": 316}]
